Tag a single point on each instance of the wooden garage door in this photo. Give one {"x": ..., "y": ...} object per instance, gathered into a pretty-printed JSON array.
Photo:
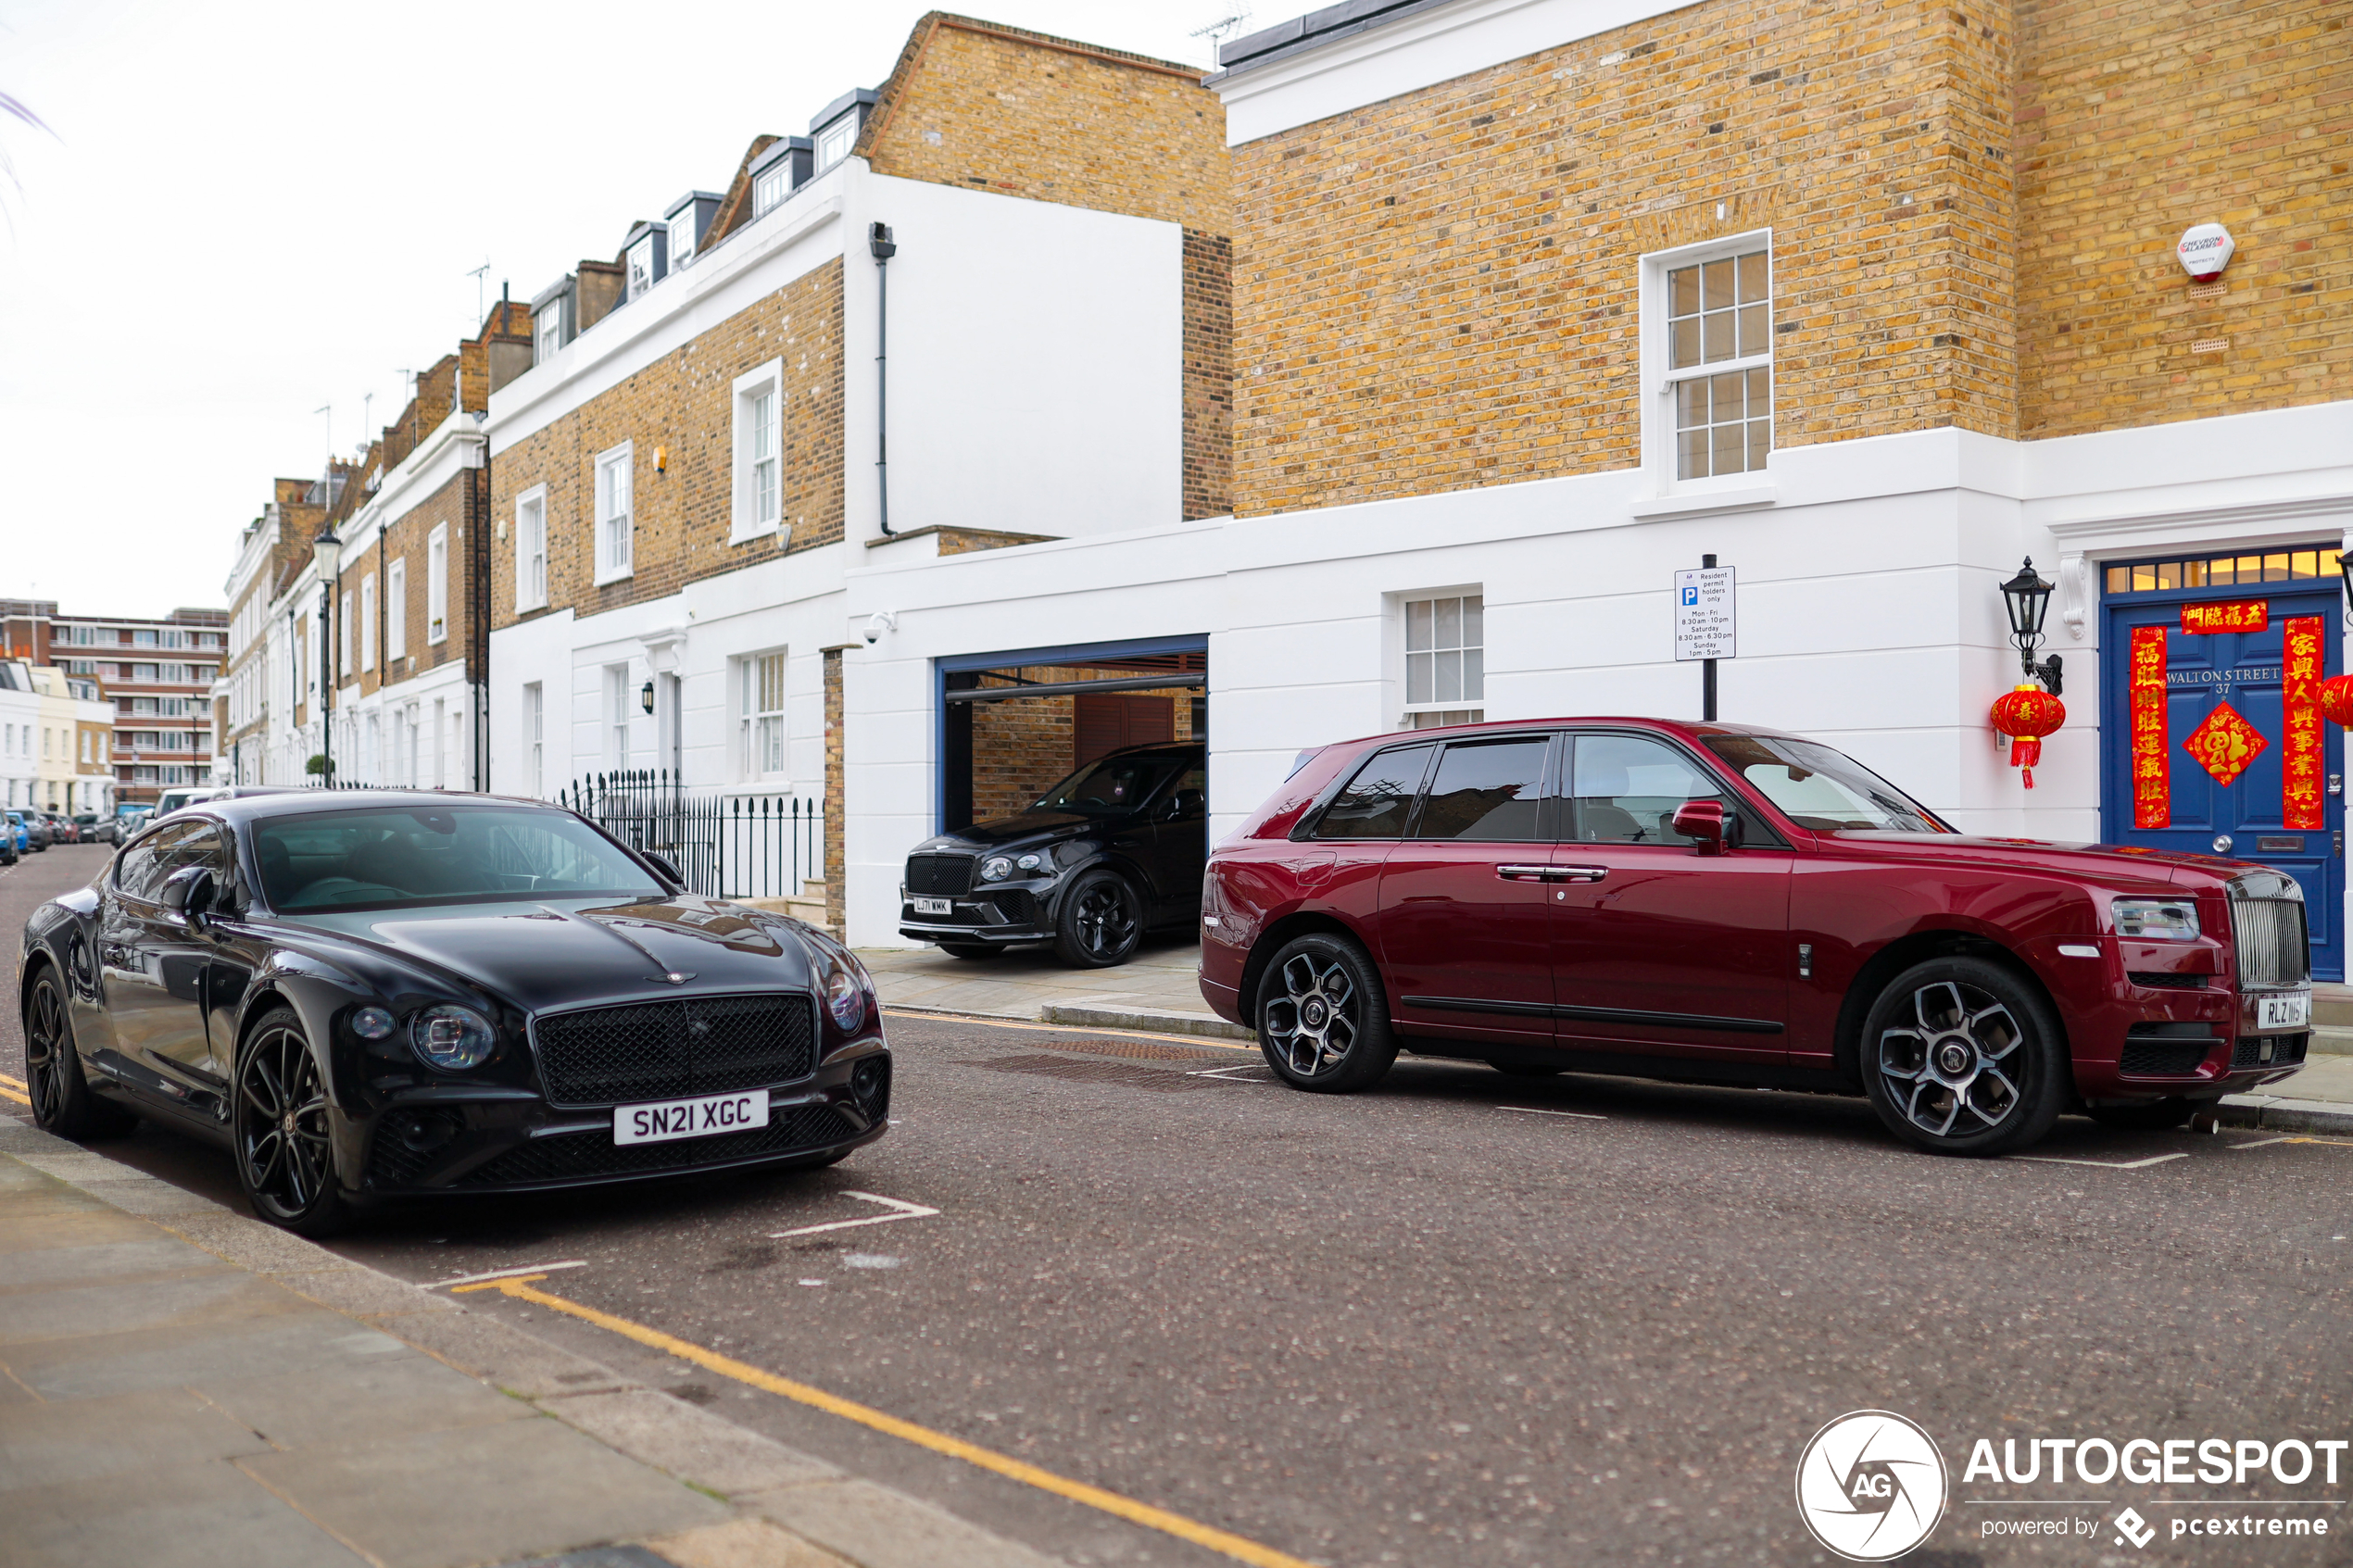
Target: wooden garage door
[{"x": 1108, "y": 720}]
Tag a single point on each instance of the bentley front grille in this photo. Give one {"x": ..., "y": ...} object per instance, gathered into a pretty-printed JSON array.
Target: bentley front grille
[{"x": 672, "y": 1050}]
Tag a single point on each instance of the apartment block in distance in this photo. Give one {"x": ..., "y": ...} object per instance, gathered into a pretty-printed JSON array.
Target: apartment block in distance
[{"x": 158, "y": 674}]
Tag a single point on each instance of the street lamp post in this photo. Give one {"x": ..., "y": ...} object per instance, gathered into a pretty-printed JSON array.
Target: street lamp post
[{"x": 326, "y": 552}]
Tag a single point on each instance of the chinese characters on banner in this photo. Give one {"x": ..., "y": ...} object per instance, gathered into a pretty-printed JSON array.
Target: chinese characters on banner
[
  {"x": 2152, "y": 793},
  {"x": 2301, "y": 669},
  {"x": 2234, "y": 615}
]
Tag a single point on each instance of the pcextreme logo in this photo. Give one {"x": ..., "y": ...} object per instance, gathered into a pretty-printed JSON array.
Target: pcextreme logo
[{"x": 1870, "y": 1485}]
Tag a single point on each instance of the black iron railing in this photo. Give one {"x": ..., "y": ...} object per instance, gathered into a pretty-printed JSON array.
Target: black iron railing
[{"x": 725, "y": 845}]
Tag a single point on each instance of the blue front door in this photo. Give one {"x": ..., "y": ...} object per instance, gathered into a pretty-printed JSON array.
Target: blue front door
[{"x": 2218, "y": 799}]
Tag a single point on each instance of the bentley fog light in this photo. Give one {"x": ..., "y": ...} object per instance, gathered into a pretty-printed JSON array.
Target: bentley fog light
[
  {"x": 452, "y": 1036},
  {"x": 371, "y": 1024},
  {"x": 997, "y": 868},
  {"x": 2156, "y": 920}
]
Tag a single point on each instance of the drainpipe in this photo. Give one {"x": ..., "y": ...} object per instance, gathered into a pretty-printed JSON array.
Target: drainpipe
[{"x": 879, "y": 242}]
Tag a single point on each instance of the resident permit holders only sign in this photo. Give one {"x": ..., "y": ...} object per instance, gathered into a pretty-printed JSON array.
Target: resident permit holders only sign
[{"x": 1704, "y": 613}]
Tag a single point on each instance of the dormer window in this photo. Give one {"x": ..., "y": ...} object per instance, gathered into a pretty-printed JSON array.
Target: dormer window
[
  {"x": 778, "y": 172},
  {"x": 552, "y": 321},
  {"x": 834, "y": 142},
  {"x": 688, "y": 220},
  {"x": 646, "y": 255}
]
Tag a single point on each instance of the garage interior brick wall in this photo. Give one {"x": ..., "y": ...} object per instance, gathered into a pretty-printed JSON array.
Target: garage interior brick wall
[{"x": 1021, "y": 746}]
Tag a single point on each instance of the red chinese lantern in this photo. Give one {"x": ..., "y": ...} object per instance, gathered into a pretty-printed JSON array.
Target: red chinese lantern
[
  {"x": 2336, "y": 699},
  {"x": 2026, "y": 715}
]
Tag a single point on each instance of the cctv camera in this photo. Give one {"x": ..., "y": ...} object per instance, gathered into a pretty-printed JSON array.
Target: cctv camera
[
  {"x": 877, "y": 624},
  {"x": 874, "y": 633}
]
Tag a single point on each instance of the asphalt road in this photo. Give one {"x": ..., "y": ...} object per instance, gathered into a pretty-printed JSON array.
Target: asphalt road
[{"x": 1461, "y": 1320}]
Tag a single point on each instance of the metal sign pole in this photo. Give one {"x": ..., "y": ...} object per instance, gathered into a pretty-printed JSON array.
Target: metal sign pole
[
  {"x": 1707, "y": 670},
  {"x": 1706, "y": 621}
]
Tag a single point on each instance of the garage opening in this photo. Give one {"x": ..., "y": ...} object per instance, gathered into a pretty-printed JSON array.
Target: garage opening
[{"x": 1013, "y": 723}]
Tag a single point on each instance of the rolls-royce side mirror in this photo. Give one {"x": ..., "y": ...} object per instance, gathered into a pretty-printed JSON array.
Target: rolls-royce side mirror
[
  {"x": 188, "y": 893},
  {"x": 1704, "y": 823}
]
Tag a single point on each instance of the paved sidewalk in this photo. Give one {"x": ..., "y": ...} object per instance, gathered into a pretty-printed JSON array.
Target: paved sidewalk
[
  {"x": 183, "y": 1384},
  {"x": 1155, "y": 990}
]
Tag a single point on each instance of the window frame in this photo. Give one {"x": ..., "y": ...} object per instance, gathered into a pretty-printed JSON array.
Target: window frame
[
  {"x": 615, "y": 702},
  {"x": 343, "y": 638},
  {"x": 531, "y": 549},
  {"x": 1660, "y": 379},
  {"x": 624, "y": 459},
  {"x": 437, "y": 585},
  {"x": 534, "y": 734},
  {"x": 1433, "y": 714},
  {"x": 840, "y": 133},
  {"x": 396, "y": 610},
  {"x": 755, "y": 723},
  {"x": 1758, "y": 830},
  {"x": 766, "y": 379},
  {"x": 1310, "y": 825},
  {"x": 368, "y": 623}
]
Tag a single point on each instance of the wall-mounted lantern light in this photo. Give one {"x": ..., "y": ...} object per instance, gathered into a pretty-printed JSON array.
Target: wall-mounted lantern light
[
  {"x": 2027, "y": 598},
  {"x": 646, "y": 696}
]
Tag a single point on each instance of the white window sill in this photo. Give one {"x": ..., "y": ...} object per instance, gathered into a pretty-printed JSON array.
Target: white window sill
[
  {"x": 749, "y": 535},
  {"x": 621, "y": 576},
  {"x": 521, "y": 608},
  {"x": 1697, "y": 503}
]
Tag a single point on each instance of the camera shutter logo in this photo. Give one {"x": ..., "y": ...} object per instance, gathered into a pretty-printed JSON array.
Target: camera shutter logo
[{"x": 1870, "y": 1485}]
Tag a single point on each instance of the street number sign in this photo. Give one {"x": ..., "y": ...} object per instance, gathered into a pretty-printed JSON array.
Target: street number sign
[{"x": 1704, "y": 613}]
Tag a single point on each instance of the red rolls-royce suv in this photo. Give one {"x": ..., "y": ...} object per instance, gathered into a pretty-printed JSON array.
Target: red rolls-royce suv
[{"x": 1734, "y": 905}]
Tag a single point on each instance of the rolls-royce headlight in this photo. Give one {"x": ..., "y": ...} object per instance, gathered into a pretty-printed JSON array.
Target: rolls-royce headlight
[
  {"x": 997, "y": 868},
  {"x": 452, "y": 1037},
  {"x": 2156, "y": 920},
  {"x": 845, "y": 998}
]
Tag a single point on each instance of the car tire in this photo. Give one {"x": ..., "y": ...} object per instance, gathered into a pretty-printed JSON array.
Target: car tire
[
  {"x": 1323, "y": 1017},
  {"x": 282, "y": 1130},
  {"x": 62, "y": 1100},
  {"x": 2150, "y": 1116},
  {"x": 1963, "y": 1056},
  {"x": 976, "y": 951},
  {"x": 1100, "y": 923}
]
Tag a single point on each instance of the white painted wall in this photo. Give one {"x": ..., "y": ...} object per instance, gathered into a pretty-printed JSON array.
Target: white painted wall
[{"x": 1868, "y": 611}]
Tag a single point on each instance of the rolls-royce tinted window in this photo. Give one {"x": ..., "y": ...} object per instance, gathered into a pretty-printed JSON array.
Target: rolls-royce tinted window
[
  {"x": 387, "y": 857},
  {"x": 1624, "y": 789},
  {"x": 1490, "y": 789},
  {"x": 1377, "y": 801}
]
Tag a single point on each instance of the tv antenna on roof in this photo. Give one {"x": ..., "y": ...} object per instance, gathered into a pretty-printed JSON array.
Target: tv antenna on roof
[
  {"x": 328, "y": 409},
  {"x": 480, "y": 275},
  {"x": 1234, "y": 17}
]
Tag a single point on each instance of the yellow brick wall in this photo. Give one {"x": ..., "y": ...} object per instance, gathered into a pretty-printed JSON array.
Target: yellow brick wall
[
  {"x": 1440, "y": 291},
  {"x": 2135, "y": 122},
  {"x": 684, "y": 406}
]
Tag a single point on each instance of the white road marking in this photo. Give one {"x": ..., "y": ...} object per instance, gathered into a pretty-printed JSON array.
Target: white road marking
[
  {"x": 904, "y": 1211},
  {"x": 2264, "y": 1143},
  {"x": 1221, "y": 1073},
  {"x": 508, "y": 1274},
  {"x": 2103, "y": 1164},
  {"x": 1540, "y": 1111}
]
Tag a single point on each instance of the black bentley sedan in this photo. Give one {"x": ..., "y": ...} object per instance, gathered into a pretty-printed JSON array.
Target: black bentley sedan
[
  {"x": 380, "y": 994},
  {"x": 1112, "y": 851}
]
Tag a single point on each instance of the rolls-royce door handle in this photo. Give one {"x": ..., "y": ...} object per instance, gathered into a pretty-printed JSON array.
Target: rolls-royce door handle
[{"x": 1551, "y": 873}]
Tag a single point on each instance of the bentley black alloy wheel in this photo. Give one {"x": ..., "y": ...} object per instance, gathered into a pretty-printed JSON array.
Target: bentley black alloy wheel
[
  {"x": 62, "y": 1102},
  {"x": 1102, "y": 922},
  {"x": 285, "y": 1152}
]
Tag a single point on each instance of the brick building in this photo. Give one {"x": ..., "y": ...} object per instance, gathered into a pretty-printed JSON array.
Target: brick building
[
  {"x": 271, "y": 552},
  {"x": 692, "y": 471},
  {"x": 157, "y": 674},
  {"x": 1535, "y": 304}
]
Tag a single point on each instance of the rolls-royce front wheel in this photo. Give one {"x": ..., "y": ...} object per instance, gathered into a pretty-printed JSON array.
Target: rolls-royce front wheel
[{"x": 1962, "y": 1055}]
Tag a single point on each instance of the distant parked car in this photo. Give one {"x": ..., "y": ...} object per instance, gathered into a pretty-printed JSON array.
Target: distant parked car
[
  {"x": 179, "y": 799},
  {"x": 88, "y": 828},
  {"x": 62, "y": 828},
  {"x": 129, "y": 820},
  {"x": 20, "y": 834},
  {"x": 9, "y": 854},
  {"x": 36, "y": 831}
]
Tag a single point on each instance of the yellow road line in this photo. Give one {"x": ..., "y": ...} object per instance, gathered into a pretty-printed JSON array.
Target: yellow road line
[
  {"x": 2334, "y": 1142},
  {"x": 1236, "y": 1547},
  {"x": 1066, "y": 1028},
  {"x": 18, "y": 1082},
  {"x": 11, "y": 1094}
]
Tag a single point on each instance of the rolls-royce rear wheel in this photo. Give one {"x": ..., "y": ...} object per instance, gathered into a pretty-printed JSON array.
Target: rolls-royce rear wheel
[
  {"x": 1962, "y": 1055},
  {"x": 62, "y": 1100},
  {"x": 1323, "y": 1020},
  {"x": 284, "y": 1136}
]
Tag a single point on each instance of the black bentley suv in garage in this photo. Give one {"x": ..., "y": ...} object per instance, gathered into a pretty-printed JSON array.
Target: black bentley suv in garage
[{"x": 1109, "y": 853}]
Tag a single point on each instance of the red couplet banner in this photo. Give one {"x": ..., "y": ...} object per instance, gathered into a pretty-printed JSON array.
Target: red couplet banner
[
  {"x": 2300, "y": 667},
  {"x": 2231, "y": 615},
  {"x": 2152, "y": 788}
]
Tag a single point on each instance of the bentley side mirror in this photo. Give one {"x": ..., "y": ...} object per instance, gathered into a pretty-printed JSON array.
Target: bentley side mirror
[
  {"x": 188, "y": 893},
  {"x": 661, "y": 863},
  {"x": 1706, "y": 823},
  {"x": 1187, "y": 803}
]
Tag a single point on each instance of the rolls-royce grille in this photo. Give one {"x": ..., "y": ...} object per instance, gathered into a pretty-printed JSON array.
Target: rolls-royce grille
[
  {"x": 670, "y": 1049},
  {"x": 937, "y": 874},
  {"x": 577, "y": 1155},
  {"x": 2272, "y": 950}
]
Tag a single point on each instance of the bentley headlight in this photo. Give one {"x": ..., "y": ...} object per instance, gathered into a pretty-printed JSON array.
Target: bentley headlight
[
  {"x": 845, "y": 998},
  {"x": 2156, "y": 920},
  {"x": 997, "y": 868},
  {"x": 1037, "y": 862},
  {"x": 452, "y": 1037}
]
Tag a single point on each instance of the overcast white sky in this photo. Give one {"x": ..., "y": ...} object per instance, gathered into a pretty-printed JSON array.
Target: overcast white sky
[{"x": 247, "y": 210}]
